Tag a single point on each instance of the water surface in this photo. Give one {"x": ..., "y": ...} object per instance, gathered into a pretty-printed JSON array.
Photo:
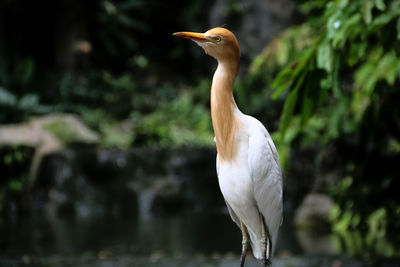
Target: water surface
[{"x": 191, "y": 239}]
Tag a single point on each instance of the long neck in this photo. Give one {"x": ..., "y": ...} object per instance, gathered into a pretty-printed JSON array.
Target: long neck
[{"x": 223, "y": 109}]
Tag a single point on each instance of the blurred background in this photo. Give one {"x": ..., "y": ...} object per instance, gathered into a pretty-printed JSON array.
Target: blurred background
[{"x": 106, "y": 144}]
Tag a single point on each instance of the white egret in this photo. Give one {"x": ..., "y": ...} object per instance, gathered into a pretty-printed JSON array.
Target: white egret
[{"x": 248, "y": 167}]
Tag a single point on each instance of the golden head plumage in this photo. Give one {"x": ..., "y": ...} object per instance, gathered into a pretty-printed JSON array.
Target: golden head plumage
[{"x": 219, "y": 43}]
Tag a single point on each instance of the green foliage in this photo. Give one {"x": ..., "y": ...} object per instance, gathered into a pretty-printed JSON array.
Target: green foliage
[
  {"x": 119, "y": 86},
  {"x": 15, "y": 101},
  {"x": 340, "y": 83},
  {"x": 178, "y": 122},
  {"x": 129, "y": 112},
  {"x": 119, "y": 24},
  {"x": 345, "y": 41},
  {"x": 358, "y": 233},
  {"x": 18, "y": 75},
  {"x": 341, "y": 59},
  {"x": 14, "y": 163}
]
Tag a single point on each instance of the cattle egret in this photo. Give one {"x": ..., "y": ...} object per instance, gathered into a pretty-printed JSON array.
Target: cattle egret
[{"x": 248, "y": 168}]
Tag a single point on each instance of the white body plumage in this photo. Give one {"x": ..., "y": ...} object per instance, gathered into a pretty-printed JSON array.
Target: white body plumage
[
  {"x": 248, "y": 167},
  {"x": 252, "y": 182}
]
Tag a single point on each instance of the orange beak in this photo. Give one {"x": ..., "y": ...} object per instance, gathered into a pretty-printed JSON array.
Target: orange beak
[{"x": 194, "y": 36}]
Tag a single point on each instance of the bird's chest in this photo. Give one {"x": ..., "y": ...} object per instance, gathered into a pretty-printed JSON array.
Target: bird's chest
[{"x": 234, "y": 177}]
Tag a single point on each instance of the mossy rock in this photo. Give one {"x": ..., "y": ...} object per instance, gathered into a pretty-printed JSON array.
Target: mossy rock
[{"x": 62, "y": 131}]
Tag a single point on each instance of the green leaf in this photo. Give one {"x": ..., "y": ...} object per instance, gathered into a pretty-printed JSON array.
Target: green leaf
[
  {"x": 324, "y": 56},
  {"x": 398, "y": 28},
  {"x": 347, "y": 29},
  {"x": 282, "y": 81},
  {"x": 367, "y": 12},
  {"x": 335, "y": 119},
  {"x": 286, "y": 77},
  {"x": 336, "y": 78},
  {"x": 389, "y": 67},
  {"x": 306, "y": 111},
  {"x": 357, "y": 51},
  {"x": 383, "y": 19},
  {"x": 380, "y": 5},
  {"x": 288, "y": 110},
  {"x": 310, "y": 99},
  {"x": 289, "y": 105}
]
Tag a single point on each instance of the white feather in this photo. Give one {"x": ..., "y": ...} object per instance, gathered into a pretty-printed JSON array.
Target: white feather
[{"x": 252, "y": 182}]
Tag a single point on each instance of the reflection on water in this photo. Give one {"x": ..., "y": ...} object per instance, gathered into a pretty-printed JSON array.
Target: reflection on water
[
  {"x": 177, "y": 235},
  {"x": 171, "y": 215},
  {"x": 315, "y": 243},
  {"x": 185, "y": 240},
  {"x": 174, "y": 235}
]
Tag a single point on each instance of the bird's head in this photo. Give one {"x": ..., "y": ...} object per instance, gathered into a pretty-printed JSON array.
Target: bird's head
[{"x": 219, "y": 43}]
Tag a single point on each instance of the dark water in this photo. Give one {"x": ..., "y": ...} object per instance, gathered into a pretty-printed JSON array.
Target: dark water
[
  {"x": 192, "y": 239},
  {"x": 178, "y": 217}
]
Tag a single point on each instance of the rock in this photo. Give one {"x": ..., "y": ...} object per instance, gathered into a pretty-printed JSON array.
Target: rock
[
  {"x": 64, "y": 188},
  {"x": 47, "y": 134},
  {"x": 84, "y": 181},
  {"x": 316, "y": 243},
  {"x": 313, "y": 226},
  {"x": 314, "y": 212}
]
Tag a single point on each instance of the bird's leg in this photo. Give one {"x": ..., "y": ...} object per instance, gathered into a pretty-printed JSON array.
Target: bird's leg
[
  {"x": 245, "y": 243},
  {"x": 265, "y": 241}
]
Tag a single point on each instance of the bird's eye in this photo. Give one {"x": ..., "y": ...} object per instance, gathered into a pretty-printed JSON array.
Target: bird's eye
[{"x": 218, "y": 38}]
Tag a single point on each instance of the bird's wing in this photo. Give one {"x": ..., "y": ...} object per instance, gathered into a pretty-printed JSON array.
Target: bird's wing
[{"x": 266, "y": 175}]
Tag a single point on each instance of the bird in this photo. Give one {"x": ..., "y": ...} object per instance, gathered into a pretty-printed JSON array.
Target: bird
[{"x": 248, "y": 166}]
